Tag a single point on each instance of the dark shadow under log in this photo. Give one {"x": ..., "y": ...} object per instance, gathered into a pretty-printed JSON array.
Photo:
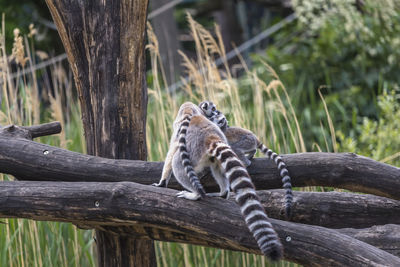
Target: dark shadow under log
[
  {"x": 158, "y": 214},
  {"x": 29, "y": 160}
]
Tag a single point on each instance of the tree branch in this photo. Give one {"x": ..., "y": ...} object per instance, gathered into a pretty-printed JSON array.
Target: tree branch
[
  {"x": 158, "y": 214},
  {"x": 385, "y": 237},
  {"x": 44, "y": 129},
  {"x": 333, "y": 209},
  {"x": 341, "y": 170}
]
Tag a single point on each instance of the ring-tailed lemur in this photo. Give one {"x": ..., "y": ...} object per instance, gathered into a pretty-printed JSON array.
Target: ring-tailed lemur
[
  {"x": 206, "y": 146},
  {"x": 245, "y": 142},
  {"x": 178, "y": 141},
  {"x": 207, "y": 109}
]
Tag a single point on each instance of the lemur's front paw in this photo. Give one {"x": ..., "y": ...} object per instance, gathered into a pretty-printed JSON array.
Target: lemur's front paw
[
  {"x": 162, "y": 183},
  {"x": 188, "y": 195},
  {"x": 221, "y": 194}
]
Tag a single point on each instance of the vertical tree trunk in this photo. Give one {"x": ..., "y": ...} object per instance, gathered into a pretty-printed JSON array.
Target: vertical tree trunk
[{"x": 105, "y": 43}]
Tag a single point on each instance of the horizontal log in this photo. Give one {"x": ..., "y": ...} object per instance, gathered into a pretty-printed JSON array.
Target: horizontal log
[
  {"x": 30, "y": 160},
  {"x": 385, "y": 237},
  {"x": 159, "y": 214},
  {"x": 334, "y": 209}
]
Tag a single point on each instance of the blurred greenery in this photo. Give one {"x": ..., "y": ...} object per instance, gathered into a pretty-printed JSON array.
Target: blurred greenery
[
  {"x": 350, "y": 52},
  {"x": 20, "y": 14},
  {"x": 378, "y": 138}
]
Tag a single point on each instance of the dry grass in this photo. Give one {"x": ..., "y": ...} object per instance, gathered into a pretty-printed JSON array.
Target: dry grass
[{"x": 25, "y": 242}]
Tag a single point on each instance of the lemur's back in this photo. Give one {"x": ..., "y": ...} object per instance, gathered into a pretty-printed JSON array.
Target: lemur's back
[
  {"x": 199, "y": 132},
  {"x": 237, "y": 134}
]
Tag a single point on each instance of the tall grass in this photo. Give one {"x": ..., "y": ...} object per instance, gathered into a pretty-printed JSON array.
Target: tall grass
[
  {"x": 264, "y": 106},
  {"x": 25, "y": 101}
]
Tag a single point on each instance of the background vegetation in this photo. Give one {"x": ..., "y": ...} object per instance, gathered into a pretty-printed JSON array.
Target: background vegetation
[{"x": 327, "y": 82}]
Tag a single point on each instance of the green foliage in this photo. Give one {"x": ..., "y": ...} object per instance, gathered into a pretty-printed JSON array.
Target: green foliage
[
  {"x": 20, "y": 14},
  {"x": 378, "y": 139},
  {"x": 350, "y": 51}
]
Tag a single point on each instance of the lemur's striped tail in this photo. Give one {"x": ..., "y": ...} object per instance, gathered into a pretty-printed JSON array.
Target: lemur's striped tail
[
  {"x": 284, "y": 173},
  {"x": 250, "y": 206},
  {"x": 187, "y": 164}
]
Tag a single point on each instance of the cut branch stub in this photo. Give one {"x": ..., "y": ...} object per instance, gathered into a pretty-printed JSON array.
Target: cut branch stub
[
  {"x": 44, "y": 129},
  {"x": 30, "y": 132}
]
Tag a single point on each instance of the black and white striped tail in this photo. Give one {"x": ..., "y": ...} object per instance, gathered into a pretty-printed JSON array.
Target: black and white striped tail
[
  {"x": 284, "y": 173},
  {"x": 187, "y": 164},
  {"x": 250, "y": 206}
]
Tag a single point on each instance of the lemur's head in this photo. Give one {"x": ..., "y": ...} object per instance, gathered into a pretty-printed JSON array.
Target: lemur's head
[
  {"x": 220, "y": 120},
  {"x": 208, "y": 108}
]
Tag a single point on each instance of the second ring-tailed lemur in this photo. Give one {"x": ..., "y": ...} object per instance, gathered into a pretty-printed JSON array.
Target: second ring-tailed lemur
[
  {"x": 206, "y": 146},
  {"x": 245, "y": 143}
]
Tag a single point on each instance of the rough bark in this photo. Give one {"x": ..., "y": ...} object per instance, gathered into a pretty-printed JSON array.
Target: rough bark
[
  {"x": 30, "y": 132},
  {"x": 128, "y": 208},
  {"x": 385, "y": 237},
  {"x": 105, "y": 44},
  {"x": 340, "y": 170},
  {"x": 334, "y": 209}
]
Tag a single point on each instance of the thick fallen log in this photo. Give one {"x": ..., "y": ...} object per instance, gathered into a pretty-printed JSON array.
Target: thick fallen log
[
  {"x": 29, "y": 160},
  {"x": 157, "y": 213},
  {"x": 334, "y": 209}
]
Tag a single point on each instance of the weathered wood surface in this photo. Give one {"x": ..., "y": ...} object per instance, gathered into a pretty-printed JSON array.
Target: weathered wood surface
[
  {"x": 334, "y": 209},
  {"x": 30, "y": 132},
  {"x": 157, "y": 213},
  {"x": 44, "y": 129},
  {"x": 105, "y": 44},
  {"x": 340, "y": 170},
  {"x": 385, "y": 237}
]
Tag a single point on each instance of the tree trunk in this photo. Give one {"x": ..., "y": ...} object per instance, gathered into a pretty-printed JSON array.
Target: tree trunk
[{"x": 105, "y": 42}]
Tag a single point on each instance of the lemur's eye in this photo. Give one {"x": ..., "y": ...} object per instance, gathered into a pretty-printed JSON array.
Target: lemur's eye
[
  {"x": 205, "y": 106},
  {"x": 213, "y": 109}
]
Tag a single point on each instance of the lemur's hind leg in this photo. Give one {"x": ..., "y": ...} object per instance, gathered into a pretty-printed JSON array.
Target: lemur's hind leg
[
  {"x": 251, "y": 153},
  {"x": 222, "y": 182},
  {"x": 181, "y": 177},
  {"x": 167, "y": 169},
  {"x": 241, "y": 155}
]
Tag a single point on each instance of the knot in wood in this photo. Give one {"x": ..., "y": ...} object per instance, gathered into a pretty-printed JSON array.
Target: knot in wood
[
  {"x": 15, "y": 132},
  {"x": 119, "y": 190}
]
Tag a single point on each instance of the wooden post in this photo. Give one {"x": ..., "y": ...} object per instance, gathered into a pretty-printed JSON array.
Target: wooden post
[{"x": 105, "y": 44}]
